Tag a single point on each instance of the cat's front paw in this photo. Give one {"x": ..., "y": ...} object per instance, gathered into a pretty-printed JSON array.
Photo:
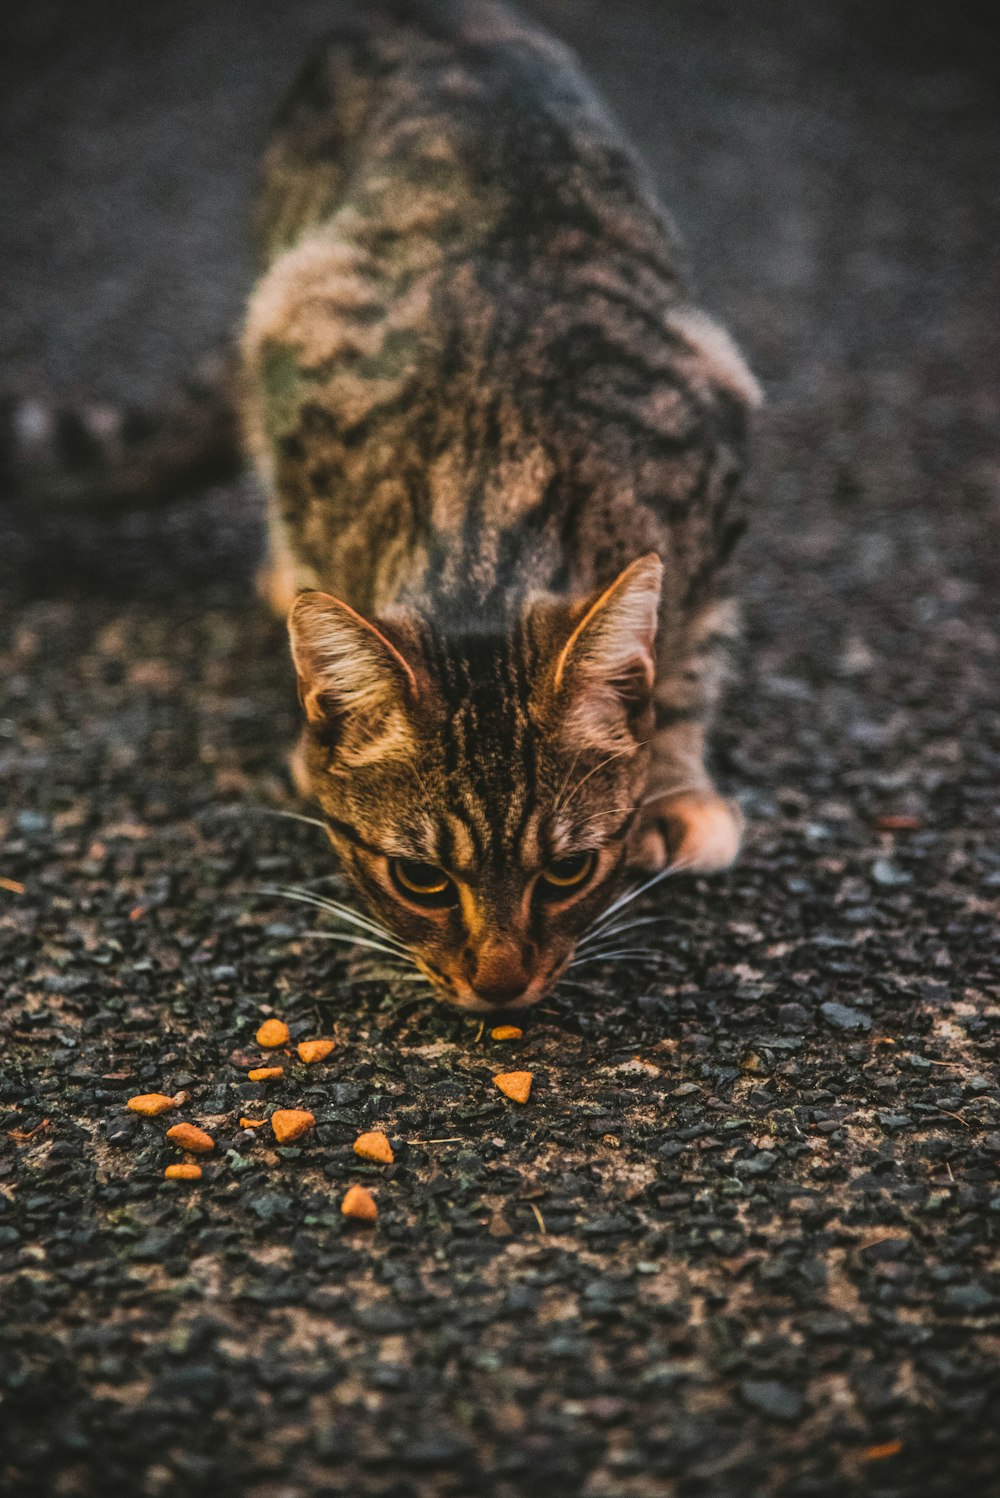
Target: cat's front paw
[{"x": 694, "y": 830}]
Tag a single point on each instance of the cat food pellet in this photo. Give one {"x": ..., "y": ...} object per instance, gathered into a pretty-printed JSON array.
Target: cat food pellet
[
  {"x": 514, "y": 1084},
  {"x": 314, "y": 1050},
  {"x": 359, "y": 1204},
  {"x": 151, "y": 1104},
  {"x": 506, "y": 1032},
  {"x": 291, "y": 1123},
  {"x": 273, "y": 1032},
  {"x": 374, "y": 1146},
  {"x": 188, "y": 1137},
  {"x": 881, "y": 1452},
  {"x": 186, "y": 1172},
  {"x": 252, "y": 1123},
  {"x": 897, "y": 823},
  {"x": 266, "y": 1073}
]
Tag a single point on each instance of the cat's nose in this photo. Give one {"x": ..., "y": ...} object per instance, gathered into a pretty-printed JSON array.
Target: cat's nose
[
  {"x": 499, "y": 971},
  {"x": 499, "y": 993}
]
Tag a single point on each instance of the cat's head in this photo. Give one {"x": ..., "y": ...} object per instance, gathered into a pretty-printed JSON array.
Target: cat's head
[{"x": 479, "y": 786}]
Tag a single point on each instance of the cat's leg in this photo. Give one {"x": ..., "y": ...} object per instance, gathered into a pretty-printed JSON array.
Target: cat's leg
[{"x": 684, "y": 822}]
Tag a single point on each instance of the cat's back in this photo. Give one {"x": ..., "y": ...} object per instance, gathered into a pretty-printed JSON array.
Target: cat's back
[{"x": 469, "y": 316}]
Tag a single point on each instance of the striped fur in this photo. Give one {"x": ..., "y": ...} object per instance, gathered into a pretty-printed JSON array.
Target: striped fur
[{"x": 477, "y": 392}]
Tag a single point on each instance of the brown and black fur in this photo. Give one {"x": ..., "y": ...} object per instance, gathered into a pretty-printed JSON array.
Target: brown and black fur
[{"x": 477, "y": 393}]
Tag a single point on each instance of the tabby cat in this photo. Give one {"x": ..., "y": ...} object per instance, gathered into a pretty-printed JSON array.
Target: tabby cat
[{"x": 504, "y": 455}]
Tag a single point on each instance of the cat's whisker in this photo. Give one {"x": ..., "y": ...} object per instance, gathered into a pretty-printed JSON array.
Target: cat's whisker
[
  {"x": 349, "y": 939},
  {"x": 333, "y": 907},
  {"x": 665, "y": 792},
  {"x": 631, "y": 895},
  {"x": 628, "y": 749},
  {"x": 613, "y": 957},
  {"x": 274, "y": 811},
  {"x": 646, "y": 920}
]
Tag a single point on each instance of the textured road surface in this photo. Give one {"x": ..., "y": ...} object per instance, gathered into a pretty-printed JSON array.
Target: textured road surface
[{"x": 743, "y": 1238}]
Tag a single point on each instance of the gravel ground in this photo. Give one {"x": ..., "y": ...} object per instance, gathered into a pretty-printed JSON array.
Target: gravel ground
[{"x": 743, "y": 1238}]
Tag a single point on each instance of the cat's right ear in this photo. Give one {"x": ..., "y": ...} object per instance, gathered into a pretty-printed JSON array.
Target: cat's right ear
[{"x": 354, "y": 683}]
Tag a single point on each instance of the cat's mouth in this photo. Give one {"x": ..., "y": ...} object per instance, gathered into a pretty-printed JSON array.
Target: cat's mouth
[{"x": 462, "y": 995}]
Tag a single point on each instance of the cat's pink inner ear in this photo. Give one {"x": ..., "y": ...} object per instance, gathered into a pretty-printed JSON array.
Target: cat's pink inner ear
[
  {"x": 613, "y": 644},
  {"x": 346, "y": 665}
]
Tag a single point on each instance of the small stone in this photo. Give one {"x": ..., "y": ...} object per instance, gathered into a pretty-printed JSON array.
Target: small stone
[
  {"x": 506, "y": 1032},
  {"x": 290, "y": 1124},
  {"x": 311, "y": 1051},
  {"x": 359, "y": 1205},
  {"x": 843, "y": 1017},
  {"x": 973, "y": 1300},
  {"x": 760, "y": 1164},
  {"x": 187, "y": 1171},
  {"x": 151, "y": 1104},
  {"x": 771, "y": 1398},
  {"x": 272, "y": 1033},
  {"x": 265, "y": 1073},
  {"x": 374, "y": 1146},
  {"x": 187, "y": 1137},
  {"x": 514, "y": 1084}
]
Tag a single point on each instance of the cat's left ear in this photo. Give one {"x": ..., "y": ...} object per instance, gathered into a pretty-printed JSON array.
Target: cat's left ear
[{"x": 608, "y": 663}]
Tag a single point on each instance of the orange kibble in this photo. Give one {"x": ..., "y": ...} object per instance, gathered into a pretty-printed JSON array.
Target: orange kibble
[
  {"x": 881, "y": 1452},
  {"x": 514, "y": 1084},
  {"x": 374, "y": 1146},
  {"x": 359, "y": 1204},
  {"x": 314, "y": 1050},
  {"x": 506, "y": 1032},
  {"x": 273, "y": 1032},
  {"x": 188, "y": 1137},
  {"x": 151, "y": 1104},
  {"x": 291, "y": 1123},
  {"x": 252, "y": 1123},
  {"x": 266, "y": 1073},
  {"x": 188, "y": 1171}
]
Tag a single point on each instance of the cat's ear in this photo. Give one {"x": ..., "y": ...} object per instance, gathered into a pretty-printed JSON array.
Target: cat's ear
[
  {"x": 355, "y": 685},
  {"x": 608, "y": 663}
]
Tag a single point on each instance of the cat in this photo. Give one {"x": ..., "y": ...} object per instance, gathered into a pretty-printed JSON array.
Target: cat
[{"x": 504, "y": 457}]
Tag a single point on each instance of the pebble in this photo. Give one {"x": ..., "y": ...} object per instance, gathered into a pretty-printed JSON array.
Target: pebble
[{"x": 771, "y": 1398}]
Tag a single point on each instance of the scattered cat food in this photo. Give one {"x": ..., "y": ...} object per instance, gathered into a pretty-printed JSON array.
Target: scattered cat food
[
  {"x": 314, "y": 1050},
  {"x": 290, "y": 1124},
  {"x": 187, "y": 1171},
  {"x": 252, "y": 1123},
  {"x": 272, "y": 1033},
  {"x": 514, "y": 1084},
  {"x": 359, "y": 1204},
  {"x": 188, "y": 1137},
  {"x": 151, "y": 1104},
  {"x": 506, "y": 1032},
  {"x": 374, "y": 1146},
  {"x": 265, "y": 1073}
]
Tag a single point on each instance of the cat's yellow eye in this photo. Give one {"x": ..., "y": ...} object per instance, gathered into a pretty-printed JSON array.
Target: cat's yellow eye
[
  {"x": 423, "y": 882},
  {"x": 569, "y": 872}
]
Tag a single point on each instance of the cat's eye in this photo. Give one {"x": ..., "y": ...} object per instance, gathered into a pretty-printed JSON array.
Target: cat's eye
[
  {"x": 424, "y": 883},
  {"x": 568, "y": 873}
]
